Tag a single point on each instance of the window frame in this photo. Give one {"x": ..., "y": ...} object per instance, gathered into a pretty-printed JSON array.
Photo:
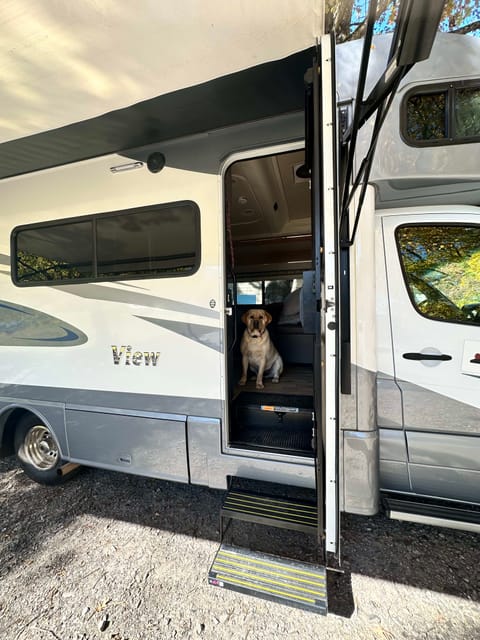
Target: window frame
[
  {"x": 428, "y": 89},
  {"x": 264, "y": 279},
  {"x": 408, "y": 225},
  {"x": 93, "y": 217}
]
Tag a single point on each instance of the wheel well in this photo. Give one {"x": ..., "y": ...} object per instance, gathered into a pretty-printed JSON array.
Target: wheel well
[{"x": 8, "y": 423}]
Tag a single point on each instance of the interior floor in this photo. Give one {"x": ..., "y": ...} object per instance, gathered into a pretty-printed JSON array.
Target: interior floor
[{"x": 297, "y": 379}]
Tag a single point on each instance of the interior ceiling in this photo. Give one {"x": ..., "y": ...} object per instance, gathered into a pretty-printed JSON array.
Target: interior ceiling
[{"x": 268, "y": 199}]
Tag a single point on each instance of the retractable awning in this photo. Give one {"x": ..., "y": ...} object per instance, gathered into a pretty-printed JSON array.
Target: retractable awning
[{"x": 81, "y": 79}]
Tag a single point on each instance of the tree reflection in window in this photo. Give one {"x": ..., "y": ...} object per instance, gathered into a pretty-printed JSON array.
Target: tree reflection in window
[
  {"x": 467, "y": 112},
  {"x": 426, "y": 116},
  {"x": 441, "y": 264},
  {"x": 38, "y": 268},
  {"x": 449, "y": 114}
]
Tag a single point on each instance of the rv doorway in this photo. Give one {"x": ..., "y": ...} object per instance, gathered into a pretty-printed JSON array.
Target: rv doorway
[{"x": 269, "y": 251}]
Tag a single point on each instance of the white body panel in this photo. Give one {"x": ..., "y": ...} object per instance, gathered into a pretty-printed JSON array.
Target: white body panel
[{"x": 91, "y": 188}]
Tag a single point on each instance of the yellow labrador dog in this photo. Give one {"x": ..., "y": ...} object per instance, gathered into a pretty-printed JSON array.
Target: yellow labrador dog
[{"x": 258, "y": 351}]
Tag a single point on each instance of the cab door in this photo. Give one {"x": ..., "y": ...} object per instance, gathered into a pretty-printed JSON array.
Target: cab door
[{"x": 433, "y": 270}]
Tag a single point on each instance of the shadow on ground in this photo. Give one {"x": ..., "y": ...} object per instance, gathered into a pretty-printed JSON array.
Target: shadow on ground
[{"x": 425, "y": 557}]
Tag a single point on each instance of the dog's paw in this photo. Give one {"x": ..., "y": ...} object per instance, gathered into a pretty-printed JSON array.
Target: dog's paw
[
  {"x": 242, "y": 381},
  {"x": 259, "y": 385},
  {"x": 275, "y": 380}
]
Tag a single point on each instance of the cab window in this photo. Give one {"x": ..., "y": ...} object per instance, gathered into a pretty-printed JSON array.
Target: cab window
[{"x": 441, "y": 266}]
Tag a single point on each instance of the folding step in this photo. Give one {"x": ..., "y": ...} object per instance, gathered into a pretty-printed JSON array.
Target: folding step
[
  {"x": 298, "y": 515},
  {"x": 298, "y": 584}
]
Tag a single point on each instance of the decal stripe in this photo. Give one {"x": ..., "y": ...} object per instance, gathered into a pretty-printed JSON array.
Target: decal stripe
[
  {"x": 209, "y": 336},
  {"x": 23, "y": 326},
  {"x": 111, "y": 294}
]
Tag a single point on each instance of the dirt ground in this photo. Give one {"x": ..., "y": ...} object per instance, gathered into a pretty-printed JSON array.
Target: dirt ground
[{"x": 117, "y": 557}]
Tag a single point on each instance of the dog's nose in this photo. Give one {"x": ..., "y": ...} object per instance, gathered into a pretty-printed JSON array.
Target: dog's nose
[{"x": 256, "y": 324}]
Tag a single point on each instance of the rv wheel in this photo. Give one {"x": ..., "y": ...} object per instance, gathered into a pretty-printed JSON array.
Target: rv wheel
[{"x": 37, "y": 451}]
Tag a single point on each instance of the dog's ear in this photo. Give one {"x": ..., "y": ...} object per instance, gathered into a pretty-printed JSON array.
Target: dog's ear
[
  {"x": 245, "y": 318},
  {"x": 269, "y": 317}
]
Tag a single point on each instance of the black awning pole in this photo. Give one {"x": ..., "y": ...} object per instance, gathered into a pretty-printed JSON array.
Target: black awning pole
[{"x": 353, "y": 130}]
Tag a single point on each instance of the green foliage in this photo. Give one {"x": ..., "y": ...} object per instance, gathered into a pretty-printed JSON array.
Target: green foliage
[
  {"x": 33, "y": 268},
  {"x": 426, "y": 116},
  {"x": 467, "y": 112},
  {"x": 348, "y": 17},
  {"x": 442, "y": 269}
]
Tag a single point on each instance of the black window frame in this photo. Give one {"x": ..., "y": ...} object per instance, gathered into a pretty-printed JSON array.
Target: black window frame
[
  {"x": 408, "y": 225},
  {"x": 93, "y": 218},
  {"x": 449, "y": 88}
]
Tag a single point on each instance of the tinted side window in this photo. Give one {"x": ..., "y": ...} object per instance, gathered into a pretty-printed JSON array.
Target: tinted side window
[
  {"x": 467, "y": 112},
  {"x": 441, "y": 265},
  {"x": 426, "y": 116},
  {"x": 155, "y": 242},
  {"x": 54, "y": 253},
  {"x": 149, "y": 242},
  {"x": 447, "y": 114}
]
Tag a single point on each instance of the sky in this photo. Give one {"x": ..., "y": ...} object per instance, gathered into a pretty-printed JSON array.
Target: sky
[{"x": 469, "y": 8}]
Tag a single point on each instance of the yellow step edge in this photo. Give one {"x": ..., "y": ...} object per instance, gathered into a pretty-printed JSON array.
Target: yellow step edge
[
  {"x": 274, "y": 565},
  {"x": 228, "y": 563},
  {"x": 269, "y": 581},
  {"x": 251, "y": 585}
]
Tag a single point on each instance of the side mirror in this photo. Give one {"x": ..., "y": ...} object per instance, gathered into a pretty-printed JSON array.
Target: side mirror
[{"x": 417, "y": 25}]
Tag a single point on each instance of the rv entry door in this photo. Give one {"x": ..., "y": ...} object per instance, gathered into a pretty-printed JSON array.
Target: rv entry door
[{"x": 322, "y": 150}]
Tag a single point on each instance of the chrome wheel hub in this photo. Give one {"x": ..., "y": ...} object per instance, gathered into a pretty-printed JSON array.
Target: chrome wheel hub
[{"x": 40, "y": 449}]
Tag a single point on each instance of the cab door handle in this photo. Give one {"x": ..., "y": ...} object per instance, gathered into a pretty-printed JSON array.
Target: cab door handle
[{"x": 426, "y": 356}]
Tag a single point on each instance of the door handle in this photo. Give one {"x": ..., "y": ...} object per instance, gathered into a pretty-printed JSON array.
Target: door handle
[{"x": 426, "y": 356}]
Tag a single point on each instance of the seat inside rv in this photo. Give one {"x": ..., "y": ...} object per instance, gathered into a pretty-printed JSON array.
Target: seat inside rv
[{"x": 269, "y": 257}]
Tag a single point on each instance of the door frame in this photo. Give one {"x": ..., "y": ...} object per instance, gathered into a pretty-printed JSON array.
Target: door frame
[{"x": 251, "y": 154}]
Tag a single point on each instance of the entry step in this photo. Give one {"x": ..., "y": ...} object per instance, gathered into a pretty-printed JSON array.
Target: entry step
[
  {"x": 297, "y": 584},
  {"x": 285, "y": 513}
]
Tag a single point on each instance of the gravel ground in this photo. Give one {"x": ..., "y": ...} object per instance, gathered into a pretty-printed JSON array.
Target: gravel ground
[{"x": 131, "y": 555}]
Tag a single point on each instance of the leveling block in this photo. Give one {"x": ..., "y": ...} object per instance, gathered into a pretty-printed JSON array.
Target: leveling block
[{"x": 297, "y": 584}]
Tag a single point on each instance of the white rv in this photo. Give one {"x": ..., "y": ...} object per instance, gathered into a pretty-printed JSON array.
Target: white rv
[{"x": 132, "y": 243}]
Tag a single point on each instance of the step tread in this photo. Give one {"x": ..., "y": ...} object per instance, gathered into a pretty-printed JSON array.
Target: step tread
[
  {"x": 290, "y": 582},
  {"x": 266, "y": 509}
]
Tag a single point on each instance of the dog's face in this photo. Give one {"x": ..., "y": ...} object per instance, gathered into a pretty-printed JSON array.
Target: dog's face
[{"x": 256, "y": 321}]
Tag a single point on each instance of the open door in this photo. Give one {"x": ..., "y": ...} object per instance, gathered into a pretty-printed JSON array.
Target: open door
[{"x": 325, "y": 237}]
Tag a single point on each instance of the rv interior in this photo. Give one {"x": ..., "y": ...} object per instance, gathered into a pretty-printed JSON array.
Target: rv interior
[{"x": 269, "y": 259}]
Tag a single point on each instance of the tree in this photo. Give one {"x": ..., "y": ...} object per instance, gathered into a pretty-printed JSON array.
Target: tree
[
  {"x": 349, "y": 17},
  {"x": 441, "y": 264}
]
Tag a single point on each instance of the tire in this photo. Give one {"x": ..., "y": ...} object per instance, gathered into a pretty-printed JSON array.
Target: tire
[{"x": 37, "y": 451}]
